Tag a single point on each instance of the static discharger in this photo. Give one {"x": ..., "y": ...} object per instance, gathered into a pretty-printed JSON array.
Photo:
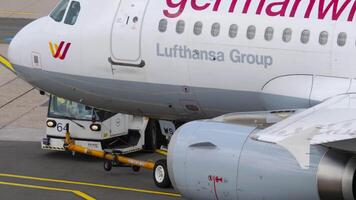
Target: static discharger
[{"x": 6, "y": 63}]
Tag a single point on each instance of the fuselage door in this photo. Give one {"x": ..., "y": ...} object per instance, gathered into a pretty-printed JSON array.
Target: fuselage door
[{"x": 126, "y": 33}]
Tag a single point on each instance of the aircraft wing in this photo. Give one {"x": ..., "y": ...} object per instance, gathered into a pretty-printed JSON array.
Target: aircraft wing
[{"x": 331, "y": 123}]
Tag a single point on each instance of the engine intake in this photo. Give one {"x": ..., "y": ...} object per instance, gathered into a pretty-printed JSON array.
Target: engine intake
[{"x": 336, "y": 176}]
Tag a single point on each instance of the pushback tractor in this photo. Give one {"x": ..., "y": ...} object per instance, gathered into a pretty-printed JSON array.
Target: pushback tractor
[
  {"x": 102, "y": 130},
  {"x": 107, "y": 135}
]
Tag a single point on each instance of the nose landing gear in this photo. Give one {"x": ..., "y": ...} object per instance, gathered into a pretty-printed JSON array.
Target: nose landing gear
[{"x": 160, "y": 174}]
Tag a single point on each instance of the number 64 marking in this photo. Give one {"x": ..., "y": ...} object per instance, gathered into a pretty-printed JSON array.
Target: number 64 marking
[{"x": 61, "y": 128}]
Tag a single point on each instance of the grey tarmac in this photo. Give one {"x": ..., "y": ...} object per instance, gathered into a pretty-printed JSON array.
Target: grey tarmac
[
  {"x": 10, "y": 26},
  {"x": 24, "y": 163}
]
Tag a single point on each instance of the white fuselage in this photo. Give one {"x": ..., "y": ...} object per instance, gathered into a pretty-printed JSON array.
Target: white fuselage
[{"x": 194, "y": 59}]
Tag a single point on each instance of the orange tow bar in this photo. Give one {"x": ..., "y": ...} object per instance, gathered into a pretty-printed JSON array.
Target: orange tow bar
[
  {"x": 71, "y": 146},
  {"x": 160, "y": 170}
]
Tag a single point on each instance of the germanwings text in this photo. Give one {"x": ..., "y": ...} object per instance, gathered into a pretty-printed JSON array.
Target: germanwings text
[{"x": 320, "y": 9}]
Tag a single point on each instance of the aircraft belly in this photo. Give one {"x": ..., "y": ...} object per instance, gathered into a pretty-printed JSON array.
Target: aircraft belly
[{"x": 161, "y": 101}]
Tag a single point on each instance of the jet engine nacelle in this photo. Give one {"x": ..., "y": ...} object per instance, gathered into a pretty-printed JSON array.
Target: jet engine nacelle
[{"x": 214, "y": 160}]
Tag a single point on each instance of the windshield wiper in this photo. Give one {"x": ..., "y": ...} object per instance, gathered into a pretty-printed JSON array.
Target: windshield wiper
[{"x": 72, "y": 120}]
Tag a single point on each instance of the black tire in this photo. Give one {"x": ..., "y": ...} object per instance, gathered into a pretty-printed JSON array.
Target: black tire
[
  {"x": 136, "y": 168},
  {"x": 160, "y": 174},
  {"x": 151, "y": 136},
  {"x": 107, "y": 165}
]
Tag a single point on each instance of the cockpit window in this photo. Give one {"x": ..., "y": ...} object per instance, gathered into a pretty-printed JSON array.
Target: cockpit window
[
  {"x": 59, "y": 11},
  {"x": 73, "y": 13}
]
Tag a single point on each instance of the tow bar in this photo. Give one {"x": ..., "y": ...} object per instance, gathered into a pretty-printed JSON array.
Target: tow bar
[{"x": 160, "y": 171}]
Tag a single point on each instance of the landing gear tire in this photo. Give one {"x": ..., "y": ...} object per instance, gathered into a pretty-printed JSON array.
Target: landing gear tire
[
  {"x": 151, "y": 136},
  {"x": 160, "y": 174},
  {"x": 107, "y": 165}
]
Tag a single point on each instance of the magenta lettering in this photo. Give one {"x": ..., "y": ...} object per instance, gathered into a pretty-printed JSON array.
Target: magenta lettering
[
  {"x": 309, "y": 9},
  {"x": 352, "y": 13},
  {"x": 217, "y": 5},
  {"x": 335, "y": 13},
  {"x": 260, "y": 7},
  {"x": 281, "y": 8},
  {"x": 233, "y": 5},
  {"x": 294, "y": 8},
  {"x": 247, "y": 6},
  {"x": 319, "y": 9},
  {"x": 196, "y": 7},
  {"x": 180, "y": 5}
]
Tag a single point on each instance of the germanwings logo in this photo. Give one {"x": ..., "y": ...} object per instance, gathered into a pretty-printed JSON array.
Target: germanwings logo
[
  {"x": 59, "y": 51},
  {"x": 319, "y": 9}
]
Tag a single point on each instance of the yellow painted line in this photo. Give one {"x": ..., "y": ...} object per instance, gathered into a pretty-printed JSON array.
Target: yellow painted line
[
  {"x": 92, "y": 185},
  {"x": 15, "y": 12},
  {"x": 162, "y": 152},
  {"x": 83, "y": 195},
  {"x": 76, "y": 192},
  {"x": 6, "y": 63}
]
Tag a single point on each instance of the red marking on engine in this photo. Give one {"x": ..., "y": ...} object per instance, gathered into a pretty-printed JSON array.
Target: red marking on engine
[{"x": 215, "y": 180}]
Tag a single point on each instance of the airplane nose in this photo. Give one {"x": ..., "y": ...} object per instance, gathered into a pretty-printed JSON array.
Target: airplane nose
[
  {"x": 16, "y": 49},
  {"x": 24, "y": 43}
]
